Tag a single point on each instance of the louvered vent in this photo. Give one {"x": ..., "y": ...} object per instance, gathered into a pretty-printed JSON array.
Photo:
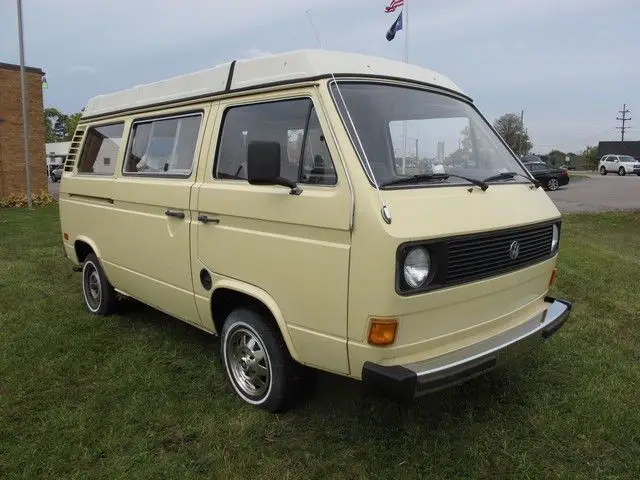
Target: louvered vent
[{"x": 74, "y": 149}]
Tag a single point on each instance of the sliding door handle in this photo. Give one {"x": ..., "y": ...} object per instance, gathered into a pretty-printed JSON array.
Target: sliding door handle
[
  {"x": 170, "y": 213},
  {"x": 205, "y": 219}
]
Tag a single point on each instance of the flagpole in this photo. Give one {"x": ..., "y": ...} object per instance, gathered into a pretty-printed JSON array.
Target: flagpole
[{"x": 405, "y": 27}]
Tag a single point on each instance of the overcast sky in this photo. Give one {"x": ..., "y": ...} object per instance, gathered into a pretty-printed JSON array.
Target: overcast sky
[{"x": 569, "y": 64}]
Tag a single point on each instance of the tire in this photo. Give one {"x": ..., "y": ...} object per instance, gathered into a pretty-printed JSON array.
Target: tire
[
  {"x": 622, "y": 172},
  {"x": 266, "y": 381},
  {"x": 553, "y": 184},
  {"x": 99, "y": 295},
  {"x": 603, "y": 170}
]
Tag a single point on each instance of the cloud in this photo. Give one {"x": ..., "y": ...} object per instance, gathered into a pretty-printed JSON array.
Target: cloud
[
  {"x": 83, "y": 69},
  {"x": 255, "y": 52}
]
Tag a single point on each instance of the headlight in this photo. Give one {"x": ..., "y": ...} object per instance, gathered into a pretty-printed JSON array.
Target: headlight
[
  {"x": 554, "y": 239},
  {"x": 417, "y": 264}
]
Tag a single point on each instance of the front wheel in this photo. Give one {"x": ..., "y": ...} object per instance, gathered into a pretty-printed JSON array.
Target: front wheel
[
  {"x": 257, "y": 361},
  {"x": 622, "y": 172},
  {"x": 553, "y": 184},
  {"x": 603, "y": 171}
]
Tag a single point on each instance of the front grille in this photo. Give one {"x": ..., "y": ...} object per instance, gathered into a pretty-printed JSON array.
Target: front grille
[{"x": 484, "y": 255}]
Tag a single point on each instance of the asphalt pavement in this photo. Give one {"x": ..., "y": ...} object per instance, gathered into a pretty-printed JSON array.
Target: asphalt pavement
[{"x": 598, "y": 193}]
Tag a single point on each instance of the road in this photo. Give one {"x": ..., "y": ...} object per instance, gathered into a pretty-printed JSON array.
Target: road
[{"x": 596, "y": 193}]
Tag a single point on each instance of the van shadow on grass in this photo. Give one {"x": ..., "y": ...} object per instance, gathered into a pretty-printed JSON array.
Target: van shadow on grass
[{"x": 338, "y": 402}]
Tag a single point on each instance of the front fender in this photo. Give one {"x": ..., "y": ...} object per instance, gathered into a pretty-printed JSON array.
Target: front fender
[{"x": 266, "y": 299}]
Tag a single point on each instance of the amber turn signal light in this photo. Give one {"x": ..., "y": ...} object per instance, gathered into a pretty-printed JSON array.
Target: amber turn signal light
[
  {"x": 382, "y": 331},
  {"x": 554, "y": 274}
]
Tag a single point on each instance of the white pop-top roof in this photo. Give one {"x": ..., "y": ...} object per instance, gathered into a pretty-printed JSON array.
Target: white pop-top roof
[{"x": 260, "y": 71}]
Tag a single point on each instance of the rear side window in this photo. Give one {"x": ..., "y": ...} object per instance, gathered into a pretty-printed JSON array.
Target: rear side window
[
  {"x": 163, "y": 146},
  {"x": 101, "y": 147},
  {"x": 305, "y": 157}
]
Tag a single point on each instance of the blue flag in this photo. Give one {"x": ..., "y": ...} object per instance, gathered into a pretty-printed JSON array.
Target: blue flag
[{"x": 396, "y": 27}]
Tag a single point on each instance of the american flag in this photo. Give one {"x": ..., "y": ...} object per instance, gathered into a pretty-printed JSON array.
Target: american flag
[{"x": 394, "y": 4}]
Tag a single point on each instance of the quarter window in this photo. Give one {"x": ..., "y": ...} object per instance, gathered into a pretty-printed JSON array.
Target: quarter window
[
  {"x": 100, "y": 146},
  {"x": 305, "y": 157},
  {"x": 163, "y": 146}
]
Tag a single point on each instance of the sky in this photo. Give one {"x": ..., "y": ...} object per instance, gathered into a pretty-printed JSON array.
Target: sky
[{"x": 570, "y": 65}]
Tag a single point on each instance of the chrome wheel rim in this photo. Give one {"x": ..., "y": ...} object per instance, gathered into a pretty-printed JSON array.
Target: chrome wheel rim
[
  {"x": 553, "y": 184},
  {"x": 92, "y": 286},
  {"x": 248, "y": 362}
]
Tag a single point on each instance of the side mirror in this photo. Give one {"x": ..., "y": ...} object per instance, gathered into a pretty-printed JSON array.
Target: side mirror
[{"x": 263, "y": 165}]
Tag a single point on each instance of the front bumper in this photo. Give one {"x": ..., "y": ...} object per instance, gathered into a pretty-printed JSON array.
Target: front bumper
[{"x": 416, "y": 379}]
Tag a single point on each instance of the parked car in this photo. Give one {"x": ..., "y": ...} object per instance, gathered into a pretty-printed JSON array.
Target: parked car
[
  {"x": 620, "y": 164},
  {"x": 56, "y": 174},
  {"x": 550, "y": 178}
]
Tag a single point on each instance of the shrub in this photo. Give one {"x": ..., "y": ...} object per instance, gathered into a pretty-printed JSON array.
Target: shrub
[{"x": 19, "y": 200}]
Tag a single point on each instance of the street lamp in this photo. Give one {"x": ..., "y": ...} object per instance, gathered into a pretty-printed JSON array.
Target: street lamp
[{"x": 25, "y": 126}]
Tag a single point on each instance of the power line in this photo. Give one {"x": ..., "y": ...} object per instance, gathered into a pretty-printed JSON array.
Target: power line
[{"x": 624, "y": 119}]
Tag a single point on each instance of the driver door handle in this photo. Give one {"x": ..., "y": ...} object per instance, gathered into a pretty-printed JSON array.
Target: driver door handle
[{"x": 205, "y": 219}]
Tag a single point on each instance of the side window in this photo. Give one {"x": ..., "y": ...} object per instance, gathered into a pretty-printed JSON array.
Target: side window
[
  {"x": 163, "y": 146},
  {"x": 294, "y": 124},
  {"x": 100, "y": 146}
]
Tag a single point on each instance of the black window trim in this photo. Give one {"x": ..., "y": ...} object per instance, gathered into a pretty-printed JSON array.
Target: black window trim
[
  {"x": 85, "y": 135},
  {"x": 152, "y": 118},
  {"x": 312, "y": 106}
]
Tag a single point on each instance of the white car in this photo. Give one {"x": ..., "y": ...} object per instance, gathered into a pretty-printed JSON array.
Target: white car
[{"x": 620, "y": 164}]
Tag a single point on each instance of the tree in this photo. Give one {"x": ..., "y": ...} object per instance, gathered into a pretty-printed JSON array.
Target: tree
[
  {"x": 514, "y": 133},
  {"x": 556, "y": 157},
  {"x": 590, "y": 158},
  {"x": 60, "y": 127}
]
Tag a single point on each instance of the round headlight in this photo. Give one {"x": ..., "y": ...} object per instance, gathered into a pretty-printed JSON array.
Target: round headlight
[
  {"x": 416, "y": 267},
  {"x": 554, "y": 239}
]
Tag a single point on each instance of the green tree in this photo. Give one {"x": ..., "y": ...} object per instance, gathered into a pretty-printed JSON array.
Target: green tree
[
  {"x": 514, "y": 133},
  {"x": 51, "y": 117},
  {"x": 556, "y": 157},
  {"x": 72, "y": 124},
  {"x": 589, "y": 157}
]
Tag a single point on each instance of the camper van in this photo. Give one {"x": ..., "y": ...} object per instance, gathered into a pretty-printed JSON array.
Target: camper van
[{"x": 290, "y": 205}]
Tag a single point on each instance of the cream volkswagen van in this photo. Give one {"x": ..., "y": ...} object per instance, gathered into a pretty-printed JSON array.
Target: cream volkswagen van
[{"x": 315, "y": 210}]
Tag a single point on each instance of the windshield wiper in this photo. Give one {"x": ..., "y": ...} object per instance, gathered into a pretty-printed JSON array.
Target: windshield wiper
[
  {"x": 509, "y": 176},
  {"x": 426, "y": 177}
]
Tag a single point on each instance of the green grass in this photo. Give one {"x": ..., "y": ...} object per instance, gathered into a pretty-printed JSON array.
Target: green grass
[{"x": 144, "y": 396}]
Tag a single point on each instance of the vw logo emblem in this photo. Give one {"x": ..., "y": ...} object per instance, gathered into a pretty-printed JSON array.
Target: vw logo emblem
[{"x": 514, "y": 250}]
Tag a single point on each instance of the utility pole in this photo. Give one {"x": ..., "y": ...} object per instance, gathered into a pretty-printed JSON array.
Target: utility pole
[
  {"x": 25, "y": 126},
  {"x": 624, "y": 119}
]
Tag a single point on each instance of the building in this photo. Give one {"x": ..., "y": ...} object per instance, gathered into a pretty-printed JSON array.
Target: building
[
  {"x": 56, "y": 154},
  {"x": 619, "y": 148},
  {"x": 12, "y": 170}
]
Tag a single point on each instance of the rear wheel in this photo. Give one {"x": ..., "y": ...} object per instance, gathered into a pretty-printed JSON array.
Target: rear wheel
[
  {"x": 99, "y": 296},
  {"x": 553, "y": 184},
  {"x": 257, "y": 361},
  {"x": 603, "y": 170},
  {"x": 622, "y": 172}
]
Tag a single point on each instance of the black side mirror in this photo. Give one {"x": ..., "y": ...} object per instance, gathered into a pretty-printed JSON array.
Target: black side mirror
[{"x": 263, "y": 165}]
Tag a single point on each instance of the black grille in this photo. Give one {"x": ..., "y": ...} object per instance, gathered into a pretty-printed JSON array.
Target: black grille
[
  {"x": 485, "y": 255},
  {"x": 468, "y": 258}
]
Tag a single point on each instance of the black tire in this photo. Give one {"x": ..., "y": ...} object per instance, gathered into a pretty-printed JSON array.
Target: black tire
[
  {"x": 603, "y": 170},
  {"x": 99, "y": 295},
  {"x": 272, "y": 374},
  {"x": 622, "y": 172},
  {"x": 553, "y": 184}
]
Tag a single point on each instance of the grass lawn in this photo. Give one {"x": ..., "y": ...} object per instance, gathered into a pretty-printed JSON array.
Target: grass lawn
[{"x": 144, "y": 396}]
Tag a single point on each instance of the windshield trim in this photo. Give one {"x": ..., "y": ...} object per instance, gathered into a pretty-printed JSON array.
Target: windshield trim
[{"x": 426, "y": 87}]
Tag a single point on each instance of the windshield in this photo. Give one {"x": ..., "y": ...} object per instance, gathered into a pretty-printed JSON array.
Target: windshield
[
  {"x": 409, "y": 131},
  {"x": 626, "y": 158}
]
